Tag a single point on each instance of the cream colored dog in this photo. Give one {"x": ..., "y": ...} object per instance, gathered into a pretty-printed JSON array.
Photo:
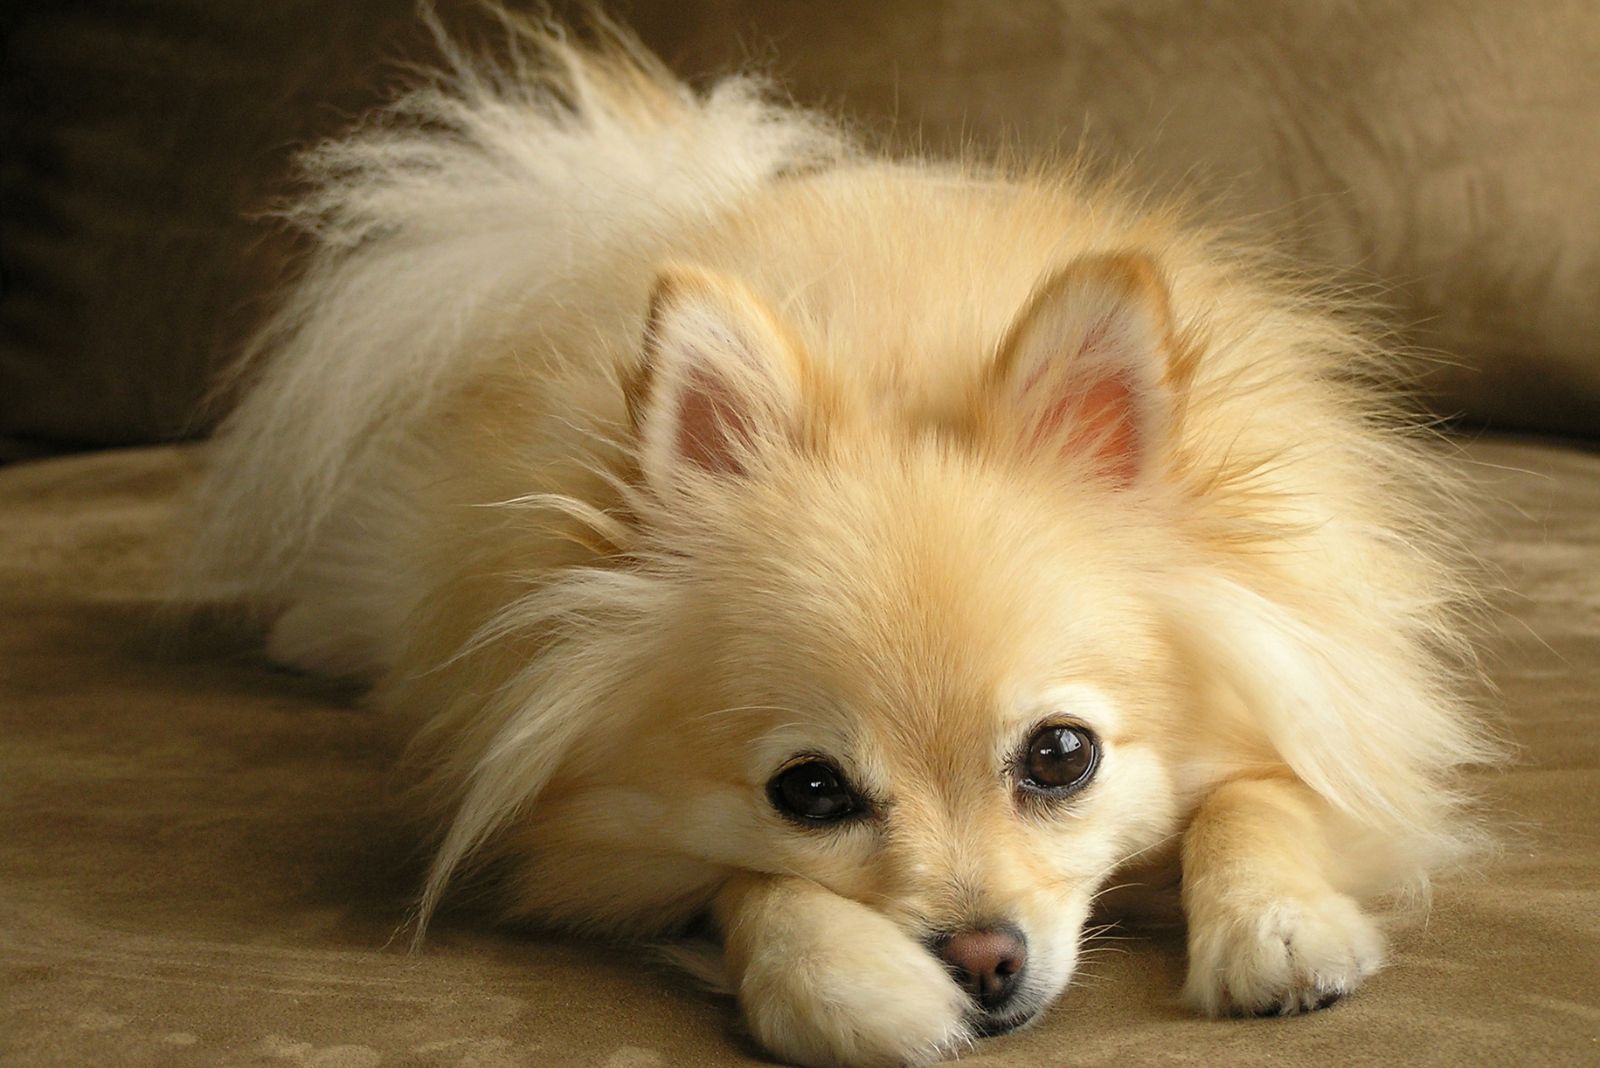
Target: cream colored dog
[{"x": 873, "y": 556}]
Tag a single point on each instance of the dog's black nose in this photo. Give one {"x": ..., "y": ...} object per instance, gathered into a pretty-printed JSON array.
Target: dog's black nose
[{"x": 987, "y": 962}]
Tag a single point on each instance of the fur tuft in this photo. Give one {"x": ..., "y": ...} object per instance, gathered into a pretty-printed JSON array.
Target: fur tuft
[{"x": 489, "y": 196}]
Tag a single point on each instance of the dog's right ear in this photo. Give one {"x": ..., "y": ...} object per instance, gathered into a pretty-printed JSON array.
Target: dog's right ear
[{"x": 719, "y": 383}]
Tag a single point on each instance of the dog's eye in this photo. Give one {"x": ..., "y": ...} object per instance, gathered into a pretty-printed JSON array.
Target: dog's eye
[
  {"x": 812, "y": 791},
  {"x": 1060, "y": 760}
]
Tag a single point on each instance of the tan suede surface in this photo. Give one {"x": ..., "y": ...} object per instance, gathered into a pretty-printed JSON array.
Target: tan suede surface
[{"x": 199, "y": 864}]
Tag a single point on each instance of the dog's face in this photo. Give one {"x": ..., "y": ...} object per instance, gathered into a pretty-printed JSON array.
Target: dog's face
[
  {"x": 914, "y": 671},
  {"x": 942, "y": 710}
]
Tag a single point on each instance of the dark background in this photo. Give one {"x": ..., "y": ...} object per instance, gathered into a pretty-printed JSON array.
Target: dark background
[{"x": 1440, "y": 154}]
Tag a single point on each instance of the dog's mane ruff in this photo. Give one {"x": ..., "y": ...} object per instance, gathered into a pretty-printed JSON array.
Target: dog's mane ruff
[
  {"x": 588, "y": 641},
  {"x": 587, "y": 627},
  {"x": 435, "y": 228},
  {"x": 1356, "y": 657}
]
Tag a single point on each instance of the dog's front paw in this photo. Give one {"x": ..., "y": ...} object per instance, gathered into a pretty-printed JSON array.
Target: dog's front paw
[
  {"x": 1281, "y": 957},
  {"x": 856, "y": 992}
]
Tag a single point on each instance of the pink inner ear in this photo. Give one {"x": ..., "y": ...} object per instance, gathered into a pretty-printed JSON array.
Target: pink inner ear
[
  {"x": 708, "y": 421},
  {"x": 1101, "y": 420}
]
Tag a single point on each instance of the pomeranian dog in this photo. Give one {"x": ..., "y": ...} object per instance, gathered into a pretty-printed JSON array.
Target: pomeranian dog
[{"x": 872, "y": 557}]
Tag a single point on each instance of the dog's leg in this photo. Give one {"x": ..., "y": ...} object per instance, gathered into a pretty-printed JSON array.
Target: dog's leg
[
  {"x": 824, "y": 980},
  {"x": 1268, "y": 932}
]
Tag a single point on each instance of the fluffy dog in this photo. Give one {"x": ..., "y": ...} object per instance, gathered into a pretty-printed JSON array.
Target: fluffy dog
[{"x": 872, "y": 556}]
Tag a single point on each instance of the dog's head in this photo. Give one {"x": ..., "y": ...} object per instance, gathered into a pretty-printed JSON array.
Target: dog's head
[{"x": 913, "y": 658}]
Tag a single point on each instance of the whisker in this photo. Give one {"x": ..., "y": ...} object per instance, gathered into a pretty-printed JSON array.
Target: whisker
[{"x": 740, "y": 708}]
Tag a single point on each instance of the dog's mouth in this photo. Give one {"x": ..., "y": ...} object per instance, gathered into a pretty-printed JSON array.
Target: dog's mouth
[
  {"x": 1016, "y": 1012},
  {"x": 994, "y": 1024}
]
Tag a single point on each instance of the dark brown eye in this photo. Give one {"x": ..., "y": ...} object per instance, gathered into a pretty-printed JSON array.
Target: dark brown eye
[
  {"x": 1060, "y": 760},
  {"x": 812, "y": 791}
]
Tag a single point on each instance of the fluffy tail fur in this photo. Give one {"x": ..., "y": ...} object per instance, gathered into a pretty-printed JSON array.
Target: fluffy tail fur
[{"x": 536, "y": 166}]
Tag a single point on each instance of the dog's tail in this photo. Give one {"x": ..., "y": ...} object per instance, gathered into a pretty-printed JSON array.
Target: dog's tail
[{"x": 489, "y": 189}]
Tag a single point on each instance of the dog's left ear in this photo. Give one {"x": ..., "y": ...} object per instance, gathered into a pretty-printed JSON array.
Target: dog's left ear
[{"x": 1083, "y": 369}]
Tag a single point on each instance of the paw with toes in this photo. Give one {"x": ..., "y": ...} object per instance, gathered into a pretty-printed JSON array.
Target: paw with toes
[{"x": 1280, "y": 958}]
